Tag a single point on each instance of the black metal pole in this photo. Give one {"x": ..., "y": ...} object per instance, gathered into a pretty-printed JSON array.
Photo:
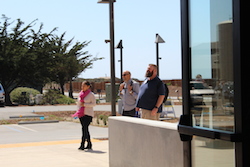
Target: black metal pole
[
  {"x": 157, "y": 56},
  {"x": 121, "y": 59},
  {"x": 112, "y": 58}
]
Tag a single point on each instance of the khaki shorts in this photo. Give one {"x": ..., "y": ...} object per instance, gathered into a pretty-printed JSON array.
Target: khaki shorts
[{"x": 146, "y": 114}]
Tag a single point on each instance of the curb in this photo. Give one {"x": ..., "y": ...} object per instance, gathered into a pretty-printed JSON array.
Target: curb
[
  {"x": 101, "y": 138},
  {"x": 36, "y": 122},
  {"x": 26, "y": 116}
]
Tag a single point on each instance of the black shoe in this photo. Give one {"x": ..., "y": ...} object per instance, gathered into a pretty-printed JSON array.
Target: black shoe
[
  {"x": 81, "y": 148},
  {"x": 89, "y": 146}
]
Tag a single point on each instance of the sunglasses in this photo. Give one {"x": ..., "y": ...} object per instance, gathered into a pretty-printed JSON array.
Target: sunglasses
[{"x": 124, "y": 74}]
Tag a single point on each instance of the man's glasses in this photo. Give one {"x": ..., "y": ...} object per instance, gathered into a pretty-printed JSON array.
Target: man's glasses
[{"x": 124, "y": 74}]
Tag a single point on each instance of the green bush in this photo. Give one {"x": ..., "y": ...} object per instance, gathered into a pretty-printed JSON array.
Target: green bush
[
  {"x": 55, "y": 97},
  {"x": 65, "y": 100},
  {"x": 104, "y": 118},
  {"x": 24, "y": 95}
]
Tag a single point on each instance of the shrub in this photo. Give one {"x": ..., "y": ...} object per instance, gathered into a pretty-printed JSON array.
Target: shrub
[
  {"x": 97, "y": 101},
  {"x": 24, "y": 95},
  {"x": 104, "y": 118},
  {"x": 65, "y": 100},
  {"x": 55, "y": 97}
]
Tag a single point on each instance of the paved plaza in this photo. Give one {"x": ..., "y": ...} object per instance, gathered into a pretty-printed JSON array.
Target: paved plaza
[{"x": 52, "y": 144}]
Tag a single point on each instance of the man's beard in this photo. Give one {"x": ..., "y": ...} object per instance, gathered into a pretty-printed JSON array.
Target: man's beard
[{"x": 149, "y": 74}]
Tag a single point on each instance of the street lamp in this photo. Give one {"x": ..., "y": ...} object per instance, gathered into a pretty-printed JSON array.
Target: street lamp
[
  {"x": 119, "y": 46},
  {"x": 157, "y": 41},
  {"x": 104, "y": 1},
  {"x": 112, "y": 54}
]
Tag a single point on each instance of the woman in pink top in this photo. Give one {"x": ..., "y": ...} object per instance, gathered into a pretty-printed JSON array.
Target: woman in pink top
[{"x": 85, "y": 113}]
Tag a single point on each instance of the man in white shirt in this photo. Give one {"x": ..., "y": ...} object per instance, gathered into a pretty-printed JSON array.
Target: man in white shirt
[{"x": 128, "y": 91}]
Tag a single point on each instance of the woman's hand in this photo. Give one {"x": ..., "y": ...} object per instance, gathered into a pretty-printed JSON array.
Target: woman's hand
[{"x": 82, "y": 104}]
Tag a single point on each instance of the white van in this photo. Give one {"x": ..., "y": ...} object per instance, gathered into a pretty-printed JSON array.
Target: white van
[
  {"x": 2, "y": 96},
  {"x": 200, "y": 91}
]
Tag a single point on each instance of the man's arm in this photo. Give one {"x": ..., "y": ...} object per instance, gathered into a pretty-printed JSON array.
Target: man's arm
[
  {"x": 135, "y": 90},
  {"x": 158, "y": 104},
  {"x": 121, "y": 92}
]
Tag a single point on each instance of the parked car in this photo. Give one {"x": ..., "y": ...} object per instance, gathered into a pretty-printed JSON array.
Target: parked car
[
  {"x": 2, "y": 95},
  {"x": 199, "y": 90}
]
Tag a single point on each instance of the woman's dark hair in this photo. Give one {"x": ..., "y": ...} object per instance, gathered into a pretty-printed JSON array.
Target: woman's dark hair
[{"x": 86, "y": 83}]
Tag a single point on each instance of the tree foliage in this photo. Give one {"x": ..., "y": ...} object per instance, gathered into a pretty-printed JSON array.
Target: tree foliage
[{"x": 32, "y": 58}]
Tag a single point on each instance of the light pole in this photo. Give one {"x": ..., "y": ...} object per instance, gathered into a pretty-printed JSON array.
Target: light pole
[
  {"x": 119, "y": 46},
  {"x": 157, "y": 41},
  {"x": 112, "y": 54}
]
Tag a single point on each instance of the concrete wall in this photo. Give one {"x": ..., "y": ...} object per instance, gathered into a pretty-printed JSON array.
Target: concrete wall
[{"x": 135, "y": 142}]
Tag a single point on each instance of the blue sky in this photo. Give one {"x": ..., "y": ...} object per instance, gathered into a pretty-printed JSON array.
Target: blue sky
[{"x": 136, "y": 23}]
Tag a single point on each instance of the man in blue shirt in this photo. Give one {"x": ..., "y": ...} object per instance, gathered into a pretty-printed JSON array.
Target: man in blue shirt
[{"x": 151, "y": 95}]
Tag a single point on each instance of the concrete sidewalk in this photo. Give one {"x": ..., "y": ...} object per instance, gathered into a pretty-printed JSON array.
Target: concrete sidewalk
[
  {"x": 50, "y": 145},
  {"x": 54, "y": 154},
  {"x": 63, "y": 153}
]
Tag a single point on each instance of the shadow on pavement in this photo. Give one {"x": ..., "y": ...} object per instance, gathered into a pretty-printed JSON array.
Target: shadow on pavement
[{"x": 95, "y": 151}]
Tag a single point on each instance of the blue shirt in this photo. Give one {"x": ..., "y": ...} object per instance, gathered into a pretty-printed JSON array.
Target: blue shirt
[{"x": 149, "y": 93}]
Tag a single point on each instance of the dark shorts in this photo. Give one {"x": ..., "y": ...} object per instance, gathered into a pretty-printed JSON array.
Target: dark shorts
[{"x": 130, "y": 113}]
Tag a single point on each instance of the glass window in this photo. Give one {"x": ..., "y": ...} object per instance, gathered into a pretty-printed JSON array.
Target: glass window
[
  {"x": 211, "y": 85},
  {"x": 212, "y": 153}
]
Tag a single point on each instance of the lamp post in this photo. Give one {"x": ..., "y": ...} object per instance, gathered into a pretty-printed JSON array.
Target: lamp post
[
  {"x": 119, "y": 46},
  {"x": 112, "y": 54},
  {"x": 157, "y": 41}
]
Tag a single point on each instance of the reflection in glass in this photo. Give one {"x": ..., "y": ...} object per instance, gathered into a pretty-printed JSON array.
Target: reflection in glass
[
  {"x": 212, "y": 153},
  {"x": 211, "y": 87}
]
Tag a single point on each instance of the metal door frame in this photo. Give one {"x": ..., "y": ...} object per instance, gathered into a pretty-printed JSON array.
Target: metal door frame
[{"x": 241, "y": 90}]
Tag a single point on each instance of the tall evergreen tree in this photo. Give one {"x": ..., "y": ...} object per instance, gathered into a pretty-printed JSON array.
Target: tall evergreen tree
[
  {"x": 32, "y": 58},
  {"x": 70, "y": 62}
]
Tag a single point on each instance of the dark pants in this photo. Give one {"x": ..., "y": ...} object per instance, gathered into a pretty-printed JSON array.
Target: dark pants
[
  {"x": 130, "y": 113},
  {"x": 85, "y": 121}
]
